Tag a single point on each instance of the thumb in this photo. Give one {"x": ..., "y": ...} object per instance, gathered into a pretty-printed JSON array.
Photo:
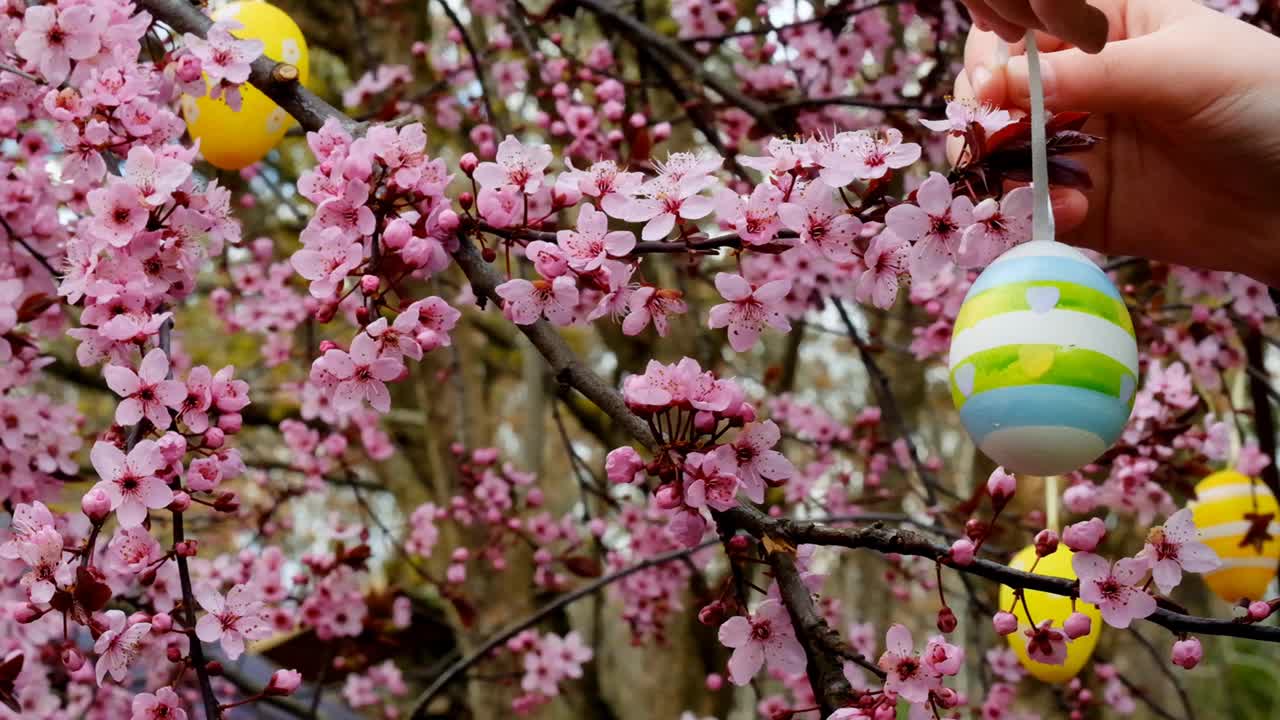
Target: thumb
[{"x": 1127, "y": 76}]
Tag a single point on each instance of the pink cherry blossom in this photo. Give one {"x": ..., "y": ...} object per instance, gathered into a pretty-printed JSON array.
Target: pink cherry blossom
[
  {"x": 398, "y": 338},
  {"x": 147, "y": 393},
  {"x": 118, "y": 646},
  {"x": 749, "y": 309},
  {"x": 230, "y": 620},
  {"x": 711, "y": 479},
  {"x": 28, "y": 520},
  {"x": 518, "y": 165},
  {"x": 764, "y": 636},
  {"x": 758, "y": 463},
  {"x": 326, "y": 258},
  {"x": 130, "y": 481},
  {"x": 651, "y": 304},
  {"x": 592, "y": 243},
  {"x": 1175, "y": 547},
  {"x": 154, "y": 176},
  {"x": 885, "y": 260},
  {"x": 823, "y": 222},
  {"x": 52, "y": 37},
  {"x": 193, "y": 410},
  {"x": 997, "y": 226},
  {"x": 908, "y": 676},
  {"x": 660, "y": 202},
  {"x": 860, "y": 155},
  {"x": 1113, "y": 589},
  {"x": 362, "y": 374},
  {"x": 754, "y": 218},
  {"x": 624, "y": 466},
  {"x": 934, "y": 226},
  {"x": 43, "y": 553},
  {"x": 164, "y": 704},
  {"x": 963, "y": 113},
  {"x": 118, "y": 214},
  {"x": 527, "y": 302},
  {"x": 223, "y": 57},
  {"x": 1084, "y": 536}
]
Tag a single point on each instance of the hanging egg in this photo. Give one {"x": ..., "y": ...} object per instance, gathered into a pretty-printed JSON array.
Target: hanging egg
[
  {"x": 1043, "y": 361},
  {"x": 1236, "y": 516},
  {"x": 1047, "y": 606},
  {"x": 232, "y": 140}
]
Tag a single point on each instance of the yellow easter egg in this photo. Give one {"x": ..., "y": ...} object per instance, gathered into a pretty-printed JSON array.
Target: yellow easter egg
[
  {"x": 1046, "y": 606},
  {"x": 232, "y": 140},
  {"x": 1224, "y": 503}
]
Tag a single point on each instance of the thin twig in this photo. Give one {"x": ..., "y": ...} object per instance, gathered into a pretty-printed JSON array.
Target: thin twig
[{"x": 420, "y": 703}]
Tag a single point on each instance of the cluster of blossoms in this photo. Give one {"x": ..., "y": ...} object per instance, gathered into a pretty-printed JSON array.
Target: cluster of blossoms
[
  {"x": 689, "y": 410},
  {"x": 409, "y": 237},
  {"x": 548, "y": 660}
]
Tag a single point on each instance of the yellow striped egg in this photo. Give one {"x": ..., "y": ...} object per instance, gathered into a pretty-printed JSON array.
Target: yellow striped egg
[
  {"x": 1043, "y": 360},
  {"x": 232, "y": 140},
  {"x": 1047, "y": 606},
  {"x": 1222, "y": 502}
]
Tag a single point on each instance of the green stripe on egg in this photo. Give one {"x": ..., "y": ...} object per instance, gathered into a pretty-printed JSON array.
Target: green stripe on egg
[
  {"x": 1035, "y": 294},
  {"x": 1028, "y": 364}
]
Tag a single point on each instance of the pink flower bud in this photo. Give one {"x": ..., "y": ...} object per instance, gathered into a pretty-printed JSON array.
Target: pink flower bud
[
  {"x": 172, "y": 447},
  {"x": 162, "y": 622},
  {"x": 72, "y": 659},
  {"x": 661, "y": 131},
  {"x": 230, "y": 423},
  {"x": 624, "y": 465},
  {"x": 962, "y": 552},
  {"x": 713, "y": 613},
  {"x": 1046, "y": 543},
  {"x": 456, "y": 574},
  {"x": 715, "y": 681},
  {"x": 173, "y": 654},
  {"x": 1004, "y": 623},
  {"x": 27, "y": 614},
  {"x": 181, "y": 501},
  {"x": 187, "y": 548},
  {"x": 283, "y": 682},
  {"x": 947, "y": 621},
  {"x": 1077, "y": 625},
  {"x": 214, "y": 437},
  {"x": 96, "y": 505},
  {"x": 704, "y": 421},
  {"x": 1259, "y": 610},
  {"x": 668, "y": 497},
  {"x": 1187, "y": 653},
  {"x": 447, "y": 221},
  {"x": 637, "y": 120},
  {"x": 1084, "y": 536},
  {"x": 533, "y": 498},
  {"x": 369, "y": 284},
  {"x": 468, "y": 163},
  {"x": 1001, "y": 486}
]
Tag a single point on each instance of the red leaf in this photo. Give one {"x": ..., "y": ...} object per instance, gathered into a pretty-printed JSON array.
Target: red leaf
[{"x": 583, "y": 566}]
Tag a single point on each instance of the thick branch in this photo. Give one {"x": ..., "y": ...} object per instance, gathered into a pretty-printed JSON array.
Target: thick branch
[
  {"x": 908, "y": 542},
  {"x": 281, "y": 86},
  {"x": 825, "y": 668}
]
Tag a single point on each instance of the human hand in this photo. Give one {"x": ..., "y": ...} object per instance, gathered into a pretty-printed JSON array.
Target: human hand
[
  {"x": 1074, "y": 21},
  {"x": 1186, "y": 101}
]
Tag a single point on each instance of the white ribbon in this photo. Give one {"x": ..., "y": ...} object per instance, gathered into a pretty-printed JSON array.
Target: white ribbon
[{"x": 1042, "y": 213}]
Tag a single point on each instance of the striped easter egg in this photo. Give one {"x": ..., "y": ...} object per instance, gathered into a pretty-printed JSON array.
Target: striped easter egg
[
  {"x": 1043, "y": 361},
  {"x": 1223, "y": 502}
]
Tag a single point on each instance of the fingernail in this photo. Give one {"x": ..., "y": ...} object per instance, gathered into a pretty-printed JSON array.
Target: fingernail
[{"x": 981, "y": 77}]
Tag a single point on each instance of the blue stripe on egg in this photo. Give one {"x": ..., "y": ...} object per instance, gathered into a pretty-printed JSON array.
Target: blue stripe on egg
[
  {"x": 1044, "y": 268},
  {"x": 1044, "y": 406}
]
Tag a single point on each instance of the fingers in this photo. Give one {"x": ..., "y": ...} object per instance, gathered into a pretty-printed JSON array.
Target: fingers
[
  {"x": 1130, "y": 75},
  {"x": 1075, "y": 21},
  {"x": 1070, "y": 208}
]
